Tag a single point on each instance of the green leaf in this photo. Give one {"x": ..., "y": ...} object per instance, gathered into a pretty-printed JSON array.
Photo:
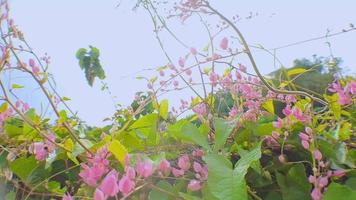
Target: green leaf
[
  {"x": 294, "y": 185},
  {"x": 118, "y": 150},
  {"x": 191, "y": 133},
  {"x": 4, "y": 107},
  {"x": 10, "y": 196},
  {"x": 156, "y": 194},
  {"x": 188, "y": 196},
  {"x": 296, "y": 71},
  {"x": 337, "y": 191},
  {"x": 16, "y": 86},
  {"x": 222, "y": 131},
  {"x": 227, "y": 183},
  {"x": 55, "y": 187},
  {"x": 268, "y": 105},
  {"x": 163, "y": 109},
  {"x": 145, "y": 121},
  {"x": 13, "y": 127},
  {"x": 23, "y": 167}
]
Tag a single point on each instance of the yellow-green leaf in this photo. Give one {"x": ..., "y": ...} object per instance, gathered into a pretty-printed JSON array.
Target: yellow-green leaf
[
  {"x": 268, "y": 105},
  {"x": 118, "y": 150},
  {"x": 163, "y": 109},
  {"x": 296, "y": 71},
  {"x": 16, "y": 86},
  {"x": 4, "y": 107}
]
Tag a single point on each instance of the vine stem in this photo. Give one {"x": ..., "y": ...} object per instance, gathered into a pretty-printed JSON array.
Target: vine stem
[{"x": 254, "y": 65}]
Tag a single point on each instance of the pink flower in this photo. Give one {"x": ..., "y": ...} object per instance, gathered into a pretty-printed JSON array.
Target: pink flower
[
  {"x": 344, "y": 98},
  {"x": 339, "y": 173},
  {"x": 323, "y": 181},
  {"x": 171, "y": 66},
  {"x": 308, "y": 130},
  {"x": 317, "y": 154},
  {"x": 126, "y": 185},
  {"x": 181, "y": 62},
  {"x": 197, "y": 167},
  {"x": 287, "y": 110},
  {"x": 198, "y": 153},
  {"x": 99, "y": 195},
  {"x": 297, "y": 113},
  {"x": 50, "y": 142},
  {"x": 303, "y": 136},
  {"x": 31, "y": 62},
  {"x": 305, "y": 144},
  {"x": 161, "y": 72},
  {"x": 90, "y": 175},
  {"x": 130, "y": 172},
  {"x": 224, "y": 43},
  {"x": 214, "y": 78},
  {"x": 290, "y": 98},
  {"x": 311, "y": 179},
  {"x": 145, "y": 168},
  {"x": 352, "y": 86},
  {"x": 201, "y": 110},
  {"x": 109, "y": 186},
  {"x": 188, "y": 72},
  {"x": 67, "y": 196},
  {"x": 335, "y": 87},
  {"x": 177, "y": 172},
  {"x": 25, "y": 107},
  {"x": 193, "y": 51},
  {"x": 204, "y": 173},
  {"x": 164, "y": 166},
  {"x": 35, "y": 69},
  {"x": 39, "y": 149},
  {"x": 194, "y": 185},
  {"x": 278, "y": 124},
  {"x": 184, "y": 162},
  {"x": 316, "y": 194},
  {"x": 175, "y": 83}
]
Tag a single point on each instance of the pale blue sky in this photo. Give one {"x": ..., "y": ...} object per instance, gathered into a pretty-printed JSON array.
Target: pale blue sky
[{"x": 128, "y": 45}]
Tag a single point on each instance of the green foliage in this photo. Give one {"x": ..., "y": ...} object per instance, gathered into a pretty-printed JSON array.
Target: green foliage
[
  {"x": 226, "y": 182},
  {"x": 90, "y": 63}
]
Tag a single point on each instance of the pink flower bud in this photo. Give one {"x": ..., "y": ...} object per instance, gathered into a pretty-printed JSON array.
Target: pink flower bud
[
  {"x": 305, "y": 144},
  {"x": 224, "y": 43},
  {"x": 181, "y": 62},
  {"x": 145, "y": 168},
  {"x": 130, "y": 172},
  {"x": 194, "y": 185},
  {"x": 197, "y": 167},
  {"x": 161, "y": 72},
  {"x": 109, "y": 186},
  {"x": 126, "y": 185},
  {"x": 303, "y": 136},
  {"x": 198, "y": 153},
  {"x": 177, "y": 172},
  {"x": 323, "y": 181},
  {"x": 316, "y": 194},
  {"x": 31, "y": 62},
  {"x": 317, "y": 154},
  {"x": 164, "y": 166},
  {"x": 339, "y": 173},
  {"x": 184, "y": 162},
  {"x": 308, "y": 130},
  {"x": 311, "y": 179},
  {"x": 193, "y": 51}
]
